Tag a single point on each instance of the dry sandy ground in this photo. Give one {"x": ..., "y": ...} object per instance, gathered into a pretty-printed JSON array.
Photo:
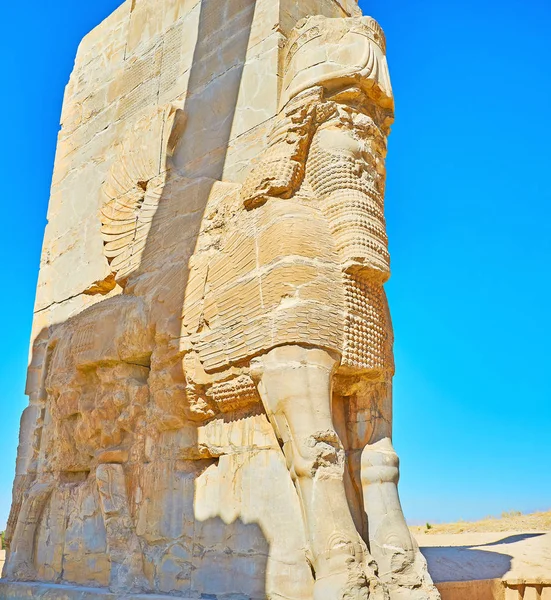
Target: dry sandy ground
[
  {"x": 513, "y": 547},
  {"x": 540, "y": 521}
]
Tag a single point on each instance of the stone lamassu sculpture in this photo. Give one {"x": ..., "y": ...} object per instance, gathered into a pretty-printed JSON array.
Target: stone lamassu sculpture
[
  {"x": 286, "y": 297},
  {"x": 283, "y": 312}
]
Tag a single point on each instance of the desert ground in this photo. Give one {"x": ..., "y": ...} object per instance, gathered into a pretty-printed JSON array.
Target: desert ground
[
  {"x": 511, "y": 521},
  {"x": 483, "y": 560}
]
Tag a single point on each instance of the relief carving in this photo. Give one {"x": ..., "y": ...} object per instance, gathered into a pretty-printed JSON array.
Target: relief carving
[
  {"x": 282, "y": 314},
  {"x": 135, "y": 185},
  {"x": 290, "y": 292}
]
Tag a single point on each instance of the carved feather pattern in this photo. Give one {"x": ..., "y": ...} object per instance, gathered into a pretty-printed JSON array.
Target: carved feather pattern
[
  {"x": 134, "y": 188},
  {"x": 126, "y": 223}
]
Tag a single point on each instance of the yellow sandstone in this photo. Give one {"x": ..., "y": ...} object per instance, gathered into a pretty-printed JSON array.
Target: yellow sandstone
[{"x": 210, "y": 382}]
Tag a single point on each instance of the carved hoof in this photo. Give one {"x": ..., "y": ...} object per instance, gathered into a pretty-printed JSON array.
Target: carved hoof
[
  {"x": 128, "y": 579},
  {"x": 410, "y": 579},
  {"x": 350, "y": 584},
  {"x": 19, "y": 571},
  {"x": 404, "y": 593},
  {"x": 339, "y": 587}
]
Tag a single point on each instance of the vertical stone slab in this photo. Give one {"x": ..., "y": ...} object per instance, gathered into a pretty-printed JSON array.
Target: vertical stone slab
[
  {"x": 513, "y": 593},
  {"x": 546, "y": 592}
]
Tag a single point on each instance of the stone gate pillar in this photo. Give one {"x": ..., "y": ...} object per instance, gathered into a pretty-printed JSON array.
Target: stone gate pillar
[{"x": 211, "y": 356}]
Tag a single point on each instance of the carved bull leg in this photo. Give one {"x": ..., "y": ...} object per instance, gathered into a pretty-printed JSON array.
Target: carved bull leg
[
  {"x": 401, "y": 565},
  {"x": 389, "y": 537},
  {"x": 364, "y": 419},
  {"x": 295, "y": 385},
  {"x": 122, "y": 542},
  {"x": 20, "y": 563}
]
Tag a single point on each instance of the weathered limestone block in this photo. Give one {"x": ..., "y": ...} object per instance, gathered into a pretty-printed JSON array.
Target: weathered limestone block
[{"x": 211, "y": 373}]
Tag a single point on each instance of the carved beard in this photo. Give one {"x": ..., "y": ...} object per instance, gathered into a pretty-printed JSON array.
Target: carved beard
[{"x": 350, "y": 191}]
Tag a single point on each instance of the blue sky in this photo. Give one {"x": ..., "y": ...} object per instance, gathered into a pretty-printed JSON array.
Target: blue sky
[{"x": 468, "y": 210}]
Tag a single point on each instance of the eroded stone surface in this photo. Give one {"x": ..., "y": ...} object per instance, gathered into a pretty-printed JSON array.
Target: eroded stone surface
[{"x": 210, "y": 381}]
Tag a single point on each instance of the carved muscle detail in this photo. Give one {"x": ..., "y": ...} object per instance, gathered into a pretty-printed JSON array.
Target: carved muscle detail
[{"x": 274, "y": 281}]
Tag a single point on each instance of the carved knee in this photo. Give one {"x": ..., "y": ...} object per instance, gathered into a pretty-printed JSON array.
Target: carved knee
[
  {"x": 390, "y": 540},
  {"x": 380, "y": 463},
  {"x": 320, "y": 453}
]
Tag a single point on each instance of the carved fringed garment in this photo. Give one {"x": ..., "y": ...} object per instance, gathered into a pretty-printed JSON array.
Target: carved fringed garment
[{"x": 276, "y": 277}]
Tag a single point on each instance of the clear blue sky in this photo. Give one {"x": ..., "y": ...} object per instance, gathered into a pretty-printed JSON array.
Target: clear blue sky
[{"x": 468, "y": 208}]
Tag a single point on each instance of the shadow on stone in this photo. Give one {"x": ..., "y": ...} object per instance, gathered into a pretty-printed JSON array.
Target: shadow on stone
[{"x": 68, "y": 538}]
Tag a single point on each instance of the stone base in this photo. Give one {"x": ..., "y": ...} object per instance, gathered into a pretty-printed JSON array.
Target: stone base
[
  {"x": 484, "y": 589},
  {"x": 496, "y": 589},
  {"x": 47, "y": 591}
]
